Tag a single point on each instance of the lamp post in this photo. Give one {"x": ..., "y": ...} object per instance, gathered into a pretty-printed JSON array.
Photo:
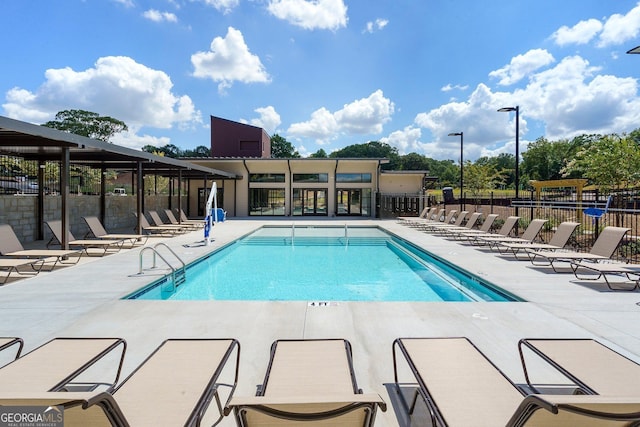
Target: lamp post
[
  {"x": 461, "y": 135},
  {"x": 634, "y": 50},
  {"x": 517, "y": 110}
]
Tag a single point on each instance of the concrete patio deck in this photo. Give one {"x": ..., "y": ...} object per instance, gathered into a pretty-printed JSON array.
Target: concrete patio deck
[{"x": 84, "y": 301}]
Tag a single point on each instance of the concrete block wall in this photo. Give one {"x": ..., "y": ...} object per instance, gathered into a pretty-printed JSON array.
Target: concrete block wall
[{"x": 20, "y": 211}]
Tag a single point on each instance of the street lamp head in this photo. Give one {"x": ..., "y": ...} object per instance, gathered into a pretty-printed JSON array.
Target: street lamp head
[
  {"x": 634, "y": 50},
  {"x": 507, "y": 109},
  {"x": 455, "y": 134}
]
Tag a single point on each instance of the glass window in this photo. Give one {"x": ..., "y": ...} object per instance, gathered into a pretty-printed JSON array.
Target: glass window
[
  {"x": 353, "y": 177},
  {"x": 266, "y": 177},
  {"x": 310, "y": 177},
  {"x": 266, "y": 201}
]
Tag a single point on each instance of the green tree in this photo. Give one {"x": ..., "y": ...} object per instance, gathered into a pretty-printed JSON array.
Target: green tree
[
  {"x": 480, "y": 177},
  {"x": 199, "y": 151},
  {"x": 87, "y": 123},
  {"x": 282, "y": 149},
  {"x": 371, "y": 150},
  {"x": 320, "y": 154},
  {"x": 414, "y": 162},
  {"x": 612, "y": 162}
]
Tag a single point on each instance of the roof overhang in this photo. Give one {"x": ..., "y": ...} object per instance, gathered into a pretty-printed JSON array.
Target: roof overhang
[{"x": 40, "y": 143}]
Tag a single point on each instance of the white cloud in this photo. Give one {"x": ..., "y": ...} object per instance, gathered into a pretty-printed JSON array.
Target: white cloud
[
  {"x": 322, "y": 127},
  {"x": 572, "y": 99},
  {"x": 581, "y": 33},
  {"x": 568, "y": 100},
  {"x": 378, "y": 24},
  {"x": 449, "y": 87},
  {"x": 125, "y": 3},
  {"x": 269, "y": 119},
  {"x": 311, "y": 14},
  {"x": 363, "y": 116},
  {"x": 157, "y": 16},
  {"x": 620, "y": 28},
  {"x": 131, "y": 139},
  {"x": 117, "y": 86},
  {"x": 406, "y": 140},
  {"x": 229, "y": 60},
  {"x": 522, "y": 65},
  {"x": 477, "y": 118},
  {"x": 224, "y": 6}
]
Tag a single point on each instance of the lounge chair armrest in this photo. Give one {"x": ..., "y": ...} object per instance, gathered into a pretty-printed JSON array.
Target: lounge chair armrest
[
  {"x": 576, "y": 408},
  {"x": 86, "y": 400},
  {"x": 352, "y": 401}
]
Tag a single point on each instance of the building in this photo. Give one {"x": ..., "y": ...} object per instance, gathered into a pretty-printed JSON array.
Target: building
[{"x": 295, "y": 187}]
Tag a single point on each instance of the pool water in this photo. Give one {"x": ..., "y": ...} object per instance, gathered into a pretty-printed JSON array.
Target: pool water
[{"x": 324, "y": 264}]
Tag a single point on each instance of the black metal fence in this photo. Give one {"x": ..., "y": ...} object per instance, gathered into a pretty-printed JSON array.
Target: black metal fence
[{"x": 19, "y": 176}]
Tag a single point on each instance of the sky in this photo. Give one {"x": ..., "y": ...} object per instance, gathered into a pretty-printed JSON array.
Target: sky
[{"x": 325, "y": 74}]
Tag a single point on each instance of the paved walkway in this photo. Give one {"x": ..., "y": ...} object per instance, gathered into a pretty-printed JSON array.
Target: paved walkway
[{"x": 84, "y": 300}]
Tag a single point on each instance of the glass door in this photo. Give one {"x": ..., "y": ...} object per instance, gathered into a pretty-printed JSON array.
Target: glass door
[
  {"x": 307, "y": 201},
  {"x": 349, "y": 202}
]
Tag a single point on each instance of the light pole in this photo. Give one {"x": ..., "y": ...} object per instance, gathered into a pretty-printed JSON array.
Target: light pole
[
  {"x": 634, "y": 50},
  {"x": 461, "y": 135},
  {"x": 517, "y": 110}
]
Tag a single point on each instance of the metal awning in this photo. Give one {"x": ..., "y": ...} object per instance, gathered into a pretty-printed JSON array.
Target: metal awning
[
  {"x": 40, "y": 143},
  {"x": 34, "y": 142}
]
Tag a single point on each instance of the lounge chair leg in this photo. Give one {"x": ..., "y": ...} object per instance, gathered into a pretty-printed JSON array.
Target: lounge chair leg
[{"x": 413, "y": 402}]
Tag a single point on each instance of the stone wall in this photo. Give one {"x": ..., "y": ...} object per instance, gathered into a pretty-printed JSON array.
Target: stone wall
[{"x": 20, "y": 211}]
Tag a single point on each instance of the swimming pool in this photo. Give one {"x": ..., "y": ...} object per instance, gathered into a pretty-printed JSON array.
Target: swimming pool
[{"x": 324, "y": 264}]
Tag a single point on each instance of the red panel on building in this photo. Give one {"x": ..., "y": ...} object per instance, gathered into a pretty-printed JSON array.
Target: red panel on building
[{"x": 234, "y": 139}]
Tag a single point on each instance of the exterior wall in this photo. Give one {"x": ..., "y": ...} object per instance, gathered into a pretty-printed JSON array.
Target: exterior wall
[
  {"x": 391, "y": 183},
  {"x": 20, "y": 213},
  {"x": 233, "y": 139},
  {"x": 236, "y": 193}
]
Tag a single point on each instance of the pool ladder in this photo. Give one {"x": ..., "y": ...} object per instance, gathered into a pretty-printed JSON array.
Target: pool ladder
[{"x": 178, "y": 275}]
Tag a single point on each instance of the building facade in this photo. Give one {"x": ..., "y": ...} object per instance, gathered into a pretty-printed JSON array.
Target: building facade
[{"x": 294, "y": 187}]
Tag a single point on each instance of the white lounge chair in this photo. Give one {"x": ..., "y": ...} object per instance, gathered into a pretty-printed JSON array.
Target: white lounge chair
[
  {"x": 558, "y": 241},
  {"x": 308, "y": 381},
  {"x": 603, "y": 249},
  {"x": 10, "y": 246},
  {"x": 103, "y": 246}
]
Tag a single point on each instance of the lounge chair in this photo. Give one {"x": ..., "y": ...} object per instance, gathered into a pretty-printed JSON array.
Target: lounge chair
[
  {"x": 441, "y": 226},
  {"x": 448, "y": 219},
  {"x": 172, "y": 387},
  {"x": 602, "y": 249},
  {"x": 306, "y": 381},
  {"x": 10, "y": 246},
  {"x": 462, "y": 387},
  {"x": 192, "y": 224},
  {"x": 97, "y": 230},
  {"x": 426, "y": 213},
  {"x": 159, "y": 231},
  {"x": 590, "y": 366},
  {"x": 102, "y": 245},
  {"x": 435, "y": 215},
  {"x": 528, "y": 236},
  {"x": 474, "y": 236},
  {"x": 16, "y": 265},
  {"x": 464, "y": 233},
  {"x": 597, "y": 270},
  {"x": 56, "y": 365},
  {"x": 157, "y": 221},
  {"x": 451, "y": 230},
  {"x": 10, "y": 342},
  {"x": 558, "y": 241}
]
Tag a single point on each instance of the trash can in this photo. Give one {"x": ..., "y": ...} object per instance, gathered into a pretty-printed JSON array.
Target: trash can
[{"x": 447, "y": 194}]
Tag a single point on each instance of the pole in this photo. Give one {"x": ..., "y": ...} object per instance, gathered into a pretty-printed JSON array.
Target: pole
[
  {"x": 461, "y": 169},
  {"x": 517, "y": 155}
]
